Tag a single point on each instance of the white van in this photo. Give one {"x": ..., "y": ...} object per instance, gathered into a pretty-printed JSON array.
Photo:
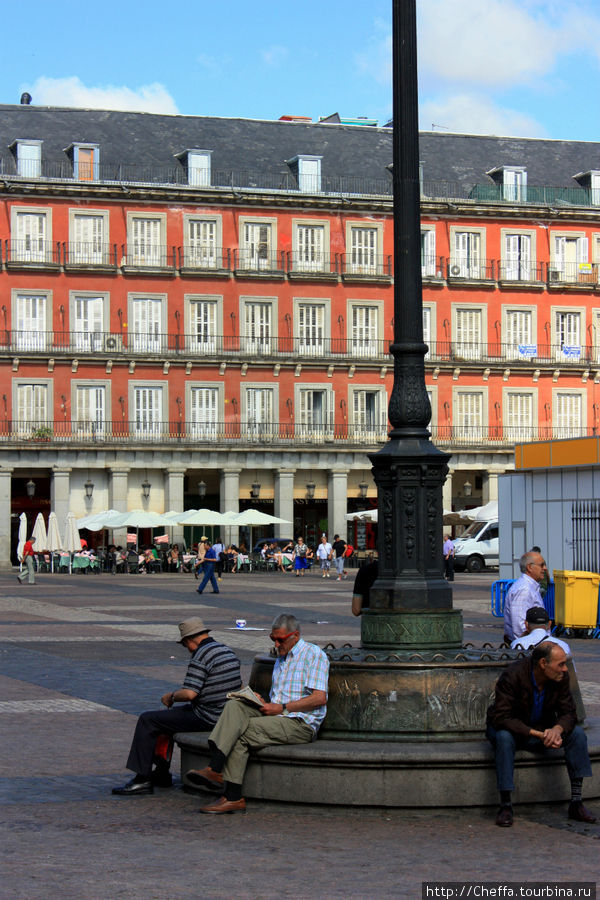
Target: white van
[{"x": 477, "y": 547}]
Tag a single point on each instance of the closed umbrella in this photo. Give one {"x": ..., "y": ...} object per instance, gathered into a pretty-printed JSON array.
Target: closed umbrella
[
  {"x": 71, "y": 542},
  {"x": 53, "y": 541},
  {"x": 22, "y": 535},
  {"x": 39, "y": 533}
]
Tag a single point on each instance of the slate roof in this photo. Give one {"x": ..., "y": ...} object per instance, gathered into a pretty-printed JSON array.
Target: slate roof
[{"x": 265, "y": 146}]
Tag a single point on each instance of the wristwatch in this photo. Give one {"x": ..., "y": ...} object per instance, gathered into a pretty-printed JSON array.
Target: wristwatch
[{"x": 284, "y": 708}]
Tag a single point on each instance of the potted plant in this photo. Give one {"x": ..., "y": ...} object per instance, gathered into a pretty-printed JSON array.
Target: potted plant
[{"x": 43, "y": 433}]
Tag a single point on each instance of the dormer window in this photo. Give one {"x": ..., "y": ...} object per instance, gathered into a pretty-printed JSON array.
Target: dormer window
[
  {"x": 513, "y": 181},
  {"x": 198, "y": 166},
  {"x": 591, "y": 181},
  {"x": 86, "y": 161},
  {"x": 29, "y": 158},
  {"x": 307, "y": 170}
]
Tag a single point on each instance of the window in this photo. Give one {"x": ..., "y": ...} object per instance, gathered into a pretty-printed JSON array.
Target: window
[
  {"x": 518, "y": 258},
  {"x": 258, "y": 331},
  {"x": 31, "y": 315},
  {"x": 29, "y": 158},
  {"x": 468, "y": 332},
  {"x": 258, "y": 245},
  {"x": 31, "y": 236},
  {"x": 369, "y": 414},
  {"x": 145, "y": 328},
  {"x": 364, "y": 259},
  {"x": 467, "y": 260},
  {"x": 201, "y": 243},
  {"x": 311, "y": 328},
  {"x": 364, "y": 330},
  {"x": 314, "y": 413},
  {"x": 514, "y": 184},
  {"x": 519, "y": 416},
  {"x": 32, "y": 407},
  {"x": 204, "y": 331},
  {"x": 146, "y": 239},
  {"x": 86, "y": 160},
  {"x": 89, "y": 238},
  {"x": 569, "y": 258},
  {"x": 596, "y": 335},
  {"x": 468, "y": 417},
  {"x": 147, "y": 411},
  {"x": 428, "y": 260},
  {"x": 308, "y": 169},
  {"x": 519, "y": 341},
  {"x": 260, "y": 405},
  {"x": 88, "y": 322},
  {"x": 198, "y": 167},
  {"x": 204, "y": 411},
  {"x": 567, "y": 325},
  {"x": 310, "y": 241},
  {"x": 569, "y": 416},
  {"x": 595, "y": 188},
  {"x": 90, "y": 409},
  {"x": 427, "y": 332}
]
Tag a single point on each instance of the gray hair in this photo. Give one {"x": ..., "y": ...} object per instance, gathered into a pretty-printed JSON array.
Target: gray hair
[
  {"x": 544, "y": 650},
  {"x": 287, "y": 621},
  {"x": 526, "y": 559}
]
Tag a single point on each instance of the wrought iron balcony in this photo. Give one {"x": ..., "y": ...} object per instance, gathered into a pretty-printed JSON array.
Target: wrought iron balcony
[
  {"x": 89, "y": 255},
  {"x": 503, "y": 435},
  {"x": 31, "y": 253},
  {"x": 471, "y": 268},
  {"x": 146, "y": 256},
  {"x": 194, "y": 259},
  {"x": 525, "y": 353},
  {"x": 366, "y": 266},
  {"x": 258, "y": 261},
  {"x": 313, "y": 264}
]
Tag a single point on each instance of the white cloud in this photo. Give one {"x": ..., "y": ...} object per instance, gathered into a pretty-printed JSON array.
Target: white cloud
[
  {"x": 275, "y": 55},
  {"x": 474, "y": 114},
  {"x": 71, "y": 91}
]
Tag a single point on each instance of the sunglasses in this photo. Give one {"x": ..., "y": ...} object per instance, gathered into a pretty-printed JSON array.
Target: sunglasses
[{"x": 281, "y": 640}]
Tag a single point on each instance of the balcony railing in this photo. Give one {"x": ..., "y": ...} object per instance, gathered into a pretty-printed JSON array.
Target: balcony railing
[
  {"x": 31, "y": 252},
  {"x": 83, "y": 254},
  {"x": 204, "y": 258},
  {"x": 312, "y": 263},
  {"x": 470, "y": 269},
  {"x": 148, "y": 256},
  {"x": 366, "y": 265},
  {"x": 147, "y": 431},
  {"x": 526, "y": 353},
  {"x": 258, "y": 262}
]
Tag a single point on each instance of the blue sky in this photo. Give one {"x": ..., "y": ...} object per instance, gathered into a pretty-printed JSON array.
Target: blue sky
[{"x": 519, "y": 67}]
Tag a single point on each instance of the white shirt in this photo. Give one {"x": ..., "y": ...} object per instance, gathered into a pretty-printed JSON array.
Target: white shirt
[
  {"x": 536, "y": 637},
  {"x": 324, "y": 550},
  {"x": 521, "y": 596}
]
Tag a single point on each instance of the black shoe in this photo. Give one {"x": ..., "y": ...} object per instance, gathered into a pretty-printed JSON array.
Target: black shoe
[
  {"x": 580, "y": 813},
  {"x": 505, "y": 817},
  {"x": 199, "y": 592},
  {"x": 161, "y": 779},
  {"x": 134, "y": 787}
]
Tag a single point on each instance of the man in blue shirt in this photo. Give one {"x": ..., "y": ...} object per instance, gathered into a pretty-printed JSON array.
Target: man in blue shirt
[
  {"x": 293, "y": 715},
  {"x": 208, "y": 565}
]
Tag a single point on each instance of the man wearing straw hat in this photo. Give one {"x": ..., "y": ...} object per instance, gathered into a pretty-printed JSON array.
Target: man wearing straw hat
[{"x": 213, "y": 671}]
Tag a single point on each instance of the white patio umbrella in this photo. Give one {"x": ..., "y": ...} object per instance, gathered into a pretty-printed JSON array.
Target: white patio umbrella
[
  {"x": 53, "y": 541},
  {"x": 251, "y": 517},
  {"x": 481, "y": 513},
  {"x": 39, "y": 533},
  {"x": 202, "y": 517},
  {"x": 99, "y": 520},
  {"x": 71, "y": 542},
  {"x": 363, "y": 515},
  {"x": 138, "y": 518},
  {"x": 22, "y": 535}
]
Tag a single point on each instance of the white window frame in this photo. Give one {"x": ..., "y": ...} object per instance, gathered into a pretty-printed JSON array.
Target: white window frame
[
  {"x": 429, "y": 262},
  {"x": 470, "y": 349},
  {"x": 521, "y": 349},
  {"x": 199, "y": 167},
  {"x": 212, "y": 343},
  {"x": 430, "y": 312},
  {"x": 314, "y": 259},
  {"x": 377, "y": 429},
  {"x": 89, "y": 340},
  {"x": 432, "y": 393},
  {"x": 469, "y": 432},
  {"x": 370, "y": 347},
  {"x": 595, "y": 314},
  {"x": 149, "y": 254},
  {"x": 256, "y": 260},
  {"x": 561, "y": 430},
  {"x": 207, "y": 429},
  {"x": 148, "y": 430},
  {"x": 309, "y": 182},
  {"x": 368, "y": 261},
  {"x": 95, "y": 170},
  {"x": 90, "y": 253},
  {"x": 568, "y": 353},
  {"x": 518, "y": 269},
  {"x": 202, "y": 254},
  {"x": 28, "y": 166},
  {"x": 259, "y": 346},
  {"x": 29, "y": 338},
  {"x": 473, "y": 264},
  {"x": 90, "y": 428},
  {"x": 28, "y": 252},
  {"x": 569, "y": 271},
  {"x": 311, "y": 431},
  {"x": 315, "y": 346},
  {"x": 29, "y": 424},
  {"x": 254, "y": 430},
  {"x": 154, "y": 341},
  {"x": 527, "y": 429},
  {"x": 514, "y": 184}
]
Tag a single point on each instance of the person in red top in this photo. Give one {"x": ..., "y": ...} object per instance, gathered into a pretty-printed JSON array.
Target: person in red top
[{"x": 28, "y": 558}]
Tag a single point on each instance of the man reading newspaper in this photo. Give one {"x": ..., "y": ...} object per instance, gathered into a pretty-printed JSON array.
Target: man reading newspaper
[{"x": 293, "y": 715}]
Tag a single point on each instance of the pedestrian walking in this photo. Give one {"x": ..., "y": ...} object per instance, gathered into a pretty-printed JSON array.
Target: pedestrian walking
[{"x": 28, "y": 559}]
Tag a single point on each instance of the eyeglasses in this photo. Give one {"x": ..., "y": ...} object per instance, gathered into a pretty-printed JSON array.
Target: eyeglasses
[{"x": 281, "y": 640}]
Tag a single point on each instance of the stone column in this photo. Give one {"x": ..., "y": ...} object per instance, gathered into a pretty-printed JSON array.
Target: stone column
[
  {"x": 230, "y": 500},
  {"x": 119, "y": 482},
  {"x": 5, "y": 520},
  {"x": 447, "y": 492},
  {"x": 490, "y": 486},
  {"x": 60, "y": 495},
  {"x": 337, "y": 502},
  {"x": 174, "y": 499},
  {"x": 284, "y": 501}
]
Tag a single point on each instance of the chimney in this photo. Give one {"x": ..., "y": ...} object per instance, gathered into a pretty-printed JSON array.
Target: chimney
[{"x": 25, "y": 99}]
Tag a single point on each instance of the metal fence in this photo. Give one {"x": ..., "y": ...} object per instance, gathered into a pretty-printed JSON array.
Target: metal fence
[{"x": 585, "y": 519}]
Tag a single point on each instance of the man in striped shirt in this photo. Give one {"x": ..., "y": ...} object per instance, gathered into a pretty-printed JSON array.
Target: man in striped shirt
[
  {"x": 213, "y": 671},
  {"x": 293, "y": 715}
]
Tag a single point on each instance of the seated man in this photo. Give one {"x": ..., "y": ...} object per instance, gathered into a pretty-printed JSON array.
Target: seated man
[
  {"x": 533, "y": 710},
  {"x": 364, "y": 581},
  {"x": 523, "y": 594},
  {"x": 537, "y": 629},
  {"x": 293, "y": 715},
  {"x": 213, "y": 671}
]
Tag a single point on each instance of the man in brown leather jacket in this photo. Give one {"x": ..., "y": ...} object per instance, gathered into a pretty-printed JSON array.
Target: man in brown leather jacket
[{"x": 534, "y": 710}]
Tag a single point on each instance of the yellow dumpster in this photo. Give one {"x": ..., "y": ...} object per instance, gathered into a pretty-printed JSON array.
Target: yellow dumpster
[{"x": 576, "y": 598}]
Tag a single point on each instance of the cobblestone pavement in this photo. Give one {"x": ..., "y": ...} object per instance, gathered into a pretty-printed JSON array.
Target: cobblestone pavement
[{"x": 81, "y": 656}]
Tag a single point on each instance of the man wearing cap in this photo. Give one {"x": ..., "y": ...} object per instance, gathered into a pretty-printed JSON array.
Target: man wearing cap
[
  {"x": 213, "y": 671},
  {"x": 537, "y": 625},
  {"x": 523, "y": 594},
  {"x": 293, "y": 715}
]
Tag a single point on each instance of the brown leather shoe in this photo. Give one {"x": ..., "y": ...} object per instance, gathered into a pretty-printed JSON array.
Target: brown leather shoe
[
  {"x": 579, "y": 812},
  {"x": 504, "y": 817},
  {"x": 206, "y": 778},
  {"x": 222, "y": 805}
]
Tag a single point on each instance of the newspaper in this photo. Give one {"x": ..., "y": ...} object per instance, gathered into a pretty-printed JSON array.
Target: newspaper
[{"x": 246, "y": 695}]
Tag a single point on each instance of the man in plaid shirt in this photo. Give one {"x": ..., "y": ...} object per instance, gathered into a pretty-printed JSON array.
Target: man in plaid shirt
[{"x": 293, "y": 715}]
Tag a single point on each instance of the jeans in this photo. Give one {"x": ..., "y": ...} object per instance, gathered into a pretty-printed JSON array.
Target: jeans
[
  {"x": 209, "y": 575},
  {"x": 505, "y": 743}
]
